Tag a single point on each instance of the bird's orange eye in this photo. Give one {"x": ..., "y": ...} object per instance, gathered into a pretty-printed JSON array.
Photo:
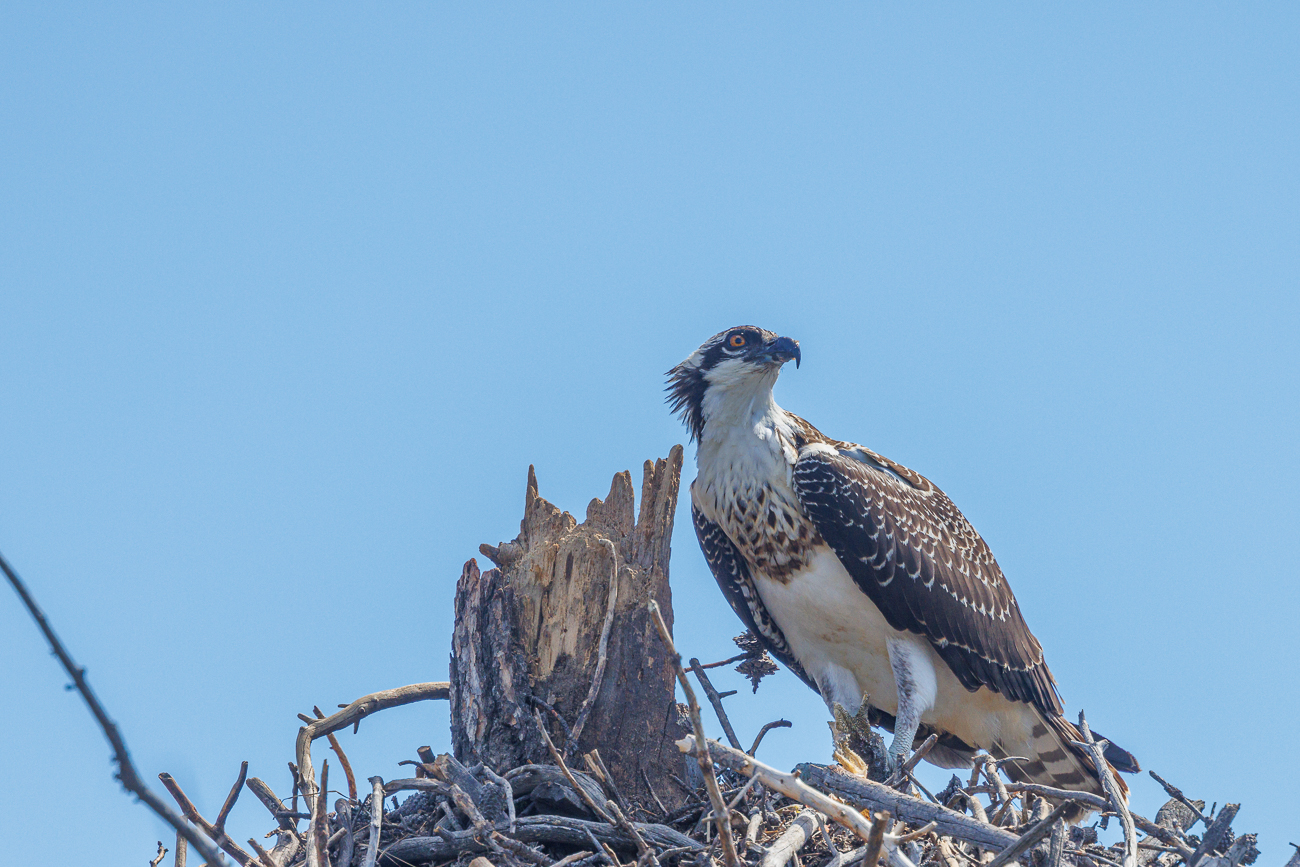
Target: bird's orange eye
[{"x": 737, "y": 340}]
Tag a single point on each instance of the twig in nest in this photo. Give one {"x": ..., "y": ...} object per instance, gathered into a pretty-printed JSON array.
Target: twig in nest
[
  {"x": 318, "y": 852},
  {"x": 549, "y": 708},
  {"x": 352, "y": 715},
  {"x": 571, "y": 742},
  {"x": 507, "y": 791},
  {"x": 644, "y": 853},
  {"x": 905, "y": 769},
  {"x": 1056, "y": 848},
  {"x": 918, "y": 833},
  {"x": 787, "y": 784},
  {"x": 596, "y": 765},
  {"x": 376, "y": 820},
  {"x": 568, "y": 775},
  {"x": 232, "y": 797},
  {"x": 1036, "y": 832},
  {"x": 868, "y": 793},
  {"x": 126, "y": 772},
  {"x": 706, "y": 761},
  {"x": 1097, "y": 750},
  {"x": 774, "y": 724},
  {"x": 1177, "y": 794},
  {"x": 263, "y": 857},
  {"x": 520, "y": 850},
  {"x": 737, "y": 658},
  {"x": 343, "y": 759},
  {"x": 716, "y": 701},
  {"x": 876, "y": 839},
  {"x": 1218, "y": 830},
  {"x": 791, "y": 840},
  {"x": 191, "y": 812},
  {"x": 645, "y": 778}
]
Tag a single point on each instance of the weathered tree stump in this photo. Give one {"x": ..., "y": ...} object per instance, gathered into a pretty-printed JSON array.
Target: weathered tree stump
[{"x": 539, "y": 632}]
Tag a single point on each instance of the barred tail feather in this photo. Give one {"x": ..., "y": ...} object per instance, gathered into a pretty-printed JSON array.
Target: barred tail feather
[{"x": 1055, "y": 761}]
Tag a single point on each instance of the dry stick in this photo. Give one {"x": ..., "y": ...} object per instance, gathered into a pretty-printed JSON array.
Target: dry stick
[
  {"x": 644, "y": 852},
  {"x": 263, "y": 856},
  {"x": 568, "y": 775},
  {"x": 1107, "y": 777},
  {"x": 905, "y": 770},
  {"x": 1096, "y": 802},
  {"x": 995, "y": 779},
  {"x": 229, "y": 804},
  {"x": 417, "y": 784},
  {"x": 343, "y": 759},
  {"x": 1177, "y": 794},
  {"x": 182, "y": 849},
  {"x": 1056, "y": 848},
  {"x": 319, "y": 829},
  {"x": 792, "y": 839},
  {"x": 868, "y": 793},
  {"x": 751, "y": 833},
  {"x": 740, "y": 657},
  {"x": 723, "y": 818},
  {"x": 876, "y": 839},
  {"x": 220, "y": 837},
  {"x": 918, "y": 833},
  {"x": 645, "y": 778},
  {"x": 376, "y": 820},
  {"x": 1030, "y": 838},
  {"x": 1216, "y": 833},
  {"x": 162, "y": 853},
  {"x": 289, "y": 839},
  {"x": 775, "y": 724},
  {"x": 787, "y": 784},
  {"x": 594, "y": 758},
  {"x": 744, "y": 790},
  {"x": 716, "y": 701},
  {"x": 507, "y": 791},
  {"x": 571, "y": 742},
  {"x": 358, "y": 710},
  {"x": 126, "y": 773}
]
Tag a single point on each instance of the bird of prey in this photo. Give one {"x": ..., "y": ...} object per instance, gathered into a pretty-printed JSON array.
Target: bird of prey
[{"x": 863, "y": 578}]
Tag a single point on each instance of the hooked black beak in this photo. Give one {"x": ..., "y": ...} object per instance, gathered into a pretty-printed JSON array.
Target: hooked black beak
[{"x": 784, "y": 349}]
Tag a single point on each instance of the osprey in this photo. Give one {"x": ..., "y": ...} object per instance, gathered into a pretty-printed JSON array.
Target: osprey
[{"x": 863, "y": 578}]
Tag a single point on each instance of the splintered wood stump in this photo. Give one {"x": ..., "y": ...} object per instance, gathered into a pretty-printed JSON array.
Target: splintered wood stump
[{"x": 529, "y": 635}]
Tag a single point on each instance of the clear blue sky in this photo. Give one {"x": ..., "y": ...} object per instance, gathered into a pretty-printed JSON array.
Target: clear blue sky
[{"x": 292, "y": 295}]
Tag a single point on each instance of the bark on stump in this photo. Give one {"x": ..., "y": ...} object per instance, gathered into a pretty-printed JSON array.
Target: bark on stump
[{"x": 530, "y": 630}]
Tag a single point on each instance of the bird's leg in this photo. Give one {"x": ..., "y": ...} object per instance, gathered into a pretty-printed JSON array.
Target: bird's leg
[{"x": 914, "y": 677}]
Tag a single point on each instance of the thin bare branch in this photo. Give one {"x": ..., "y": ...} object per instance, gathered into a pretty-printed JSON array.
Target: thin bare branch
[
  {"x": 376, "y": 820},
  {"x": 774, "y": 724},
  {"x": 126, "y": 772},
  {"x": 1117, "y": 800},
  {"x": 221, "y": 838},
  {"x": 716, "y": 700},
  {"x": 723, "y": 819},
  {"x": 343, "y": 759}
]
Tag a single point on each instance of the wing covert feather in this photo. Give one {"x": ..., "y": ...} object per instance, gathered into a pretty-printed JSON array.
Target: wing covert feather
[
  {"x": 732, "y": 574},
  {"x": 921, "y": 562}
]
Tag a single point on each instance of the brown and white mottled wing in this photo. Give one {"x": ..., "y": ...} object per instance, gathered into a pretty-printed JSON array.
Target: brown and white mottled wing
[
  {"x": 732, "y": 574},
  {"x": 921, "y": 562}
]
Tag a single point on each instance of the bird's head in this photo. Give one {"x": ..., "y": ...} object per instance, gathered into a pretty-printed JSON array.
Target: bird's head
[{"x": 740, "y": 363}]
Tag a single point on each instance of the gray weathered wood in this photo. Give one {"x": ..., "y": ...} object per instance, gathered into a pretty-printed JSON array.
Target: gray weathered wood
[
  {"x": 528, "y": 634},
  {"x": 535, "y": 829},
  {"x": 875, "y": 796}
]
